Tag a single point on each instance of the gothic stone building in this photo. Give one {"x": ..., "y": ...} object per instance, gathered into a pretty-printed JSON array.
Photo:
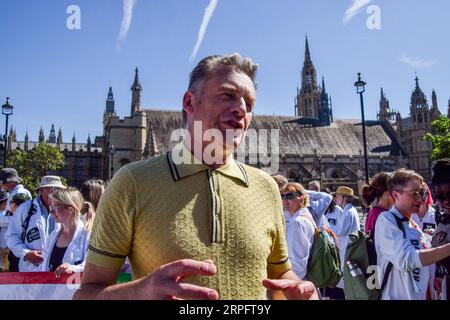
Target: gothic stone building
[{"x": 312, "y": 145}]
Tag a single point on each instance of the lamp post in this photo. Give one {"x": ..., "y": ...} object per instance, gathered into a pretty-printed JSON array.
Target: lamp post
[
  {"x": 7, "y": 110},
  {"x": 111, "y": 153},
  {"x": 360, "y": 88}
]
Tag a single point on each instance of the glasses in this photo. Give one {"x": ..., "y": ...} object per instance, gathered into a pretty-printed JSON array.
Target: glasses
[
  {"x": 421, "y": 194},
  {"x": 290, "y": 195},
  {"x": 56, "y": 207}
]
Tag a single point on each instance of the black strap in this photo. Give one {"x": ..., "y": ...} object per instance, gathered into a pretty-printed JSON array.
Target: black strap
[
  {"x": 390, "y": 265},
  {"x": 26, "y": 222}
]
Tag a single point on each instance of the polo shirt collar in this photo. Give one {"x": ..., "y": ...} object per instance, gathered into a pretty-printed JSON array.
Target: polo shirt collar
[{"x": 183, "y": 163}]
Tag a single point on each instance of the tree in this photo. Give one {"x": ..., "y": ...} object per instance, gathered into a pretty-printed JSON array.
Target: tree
[
  {"x": 441, "y": 138},
  {"x": 34, "y": 164}
]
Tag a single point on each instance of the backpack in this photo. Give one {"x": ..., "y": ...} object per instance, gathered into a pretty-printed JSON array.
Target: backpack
[
  {"x": 359, "y": 255},
  {"x": 324, "y": 267}
]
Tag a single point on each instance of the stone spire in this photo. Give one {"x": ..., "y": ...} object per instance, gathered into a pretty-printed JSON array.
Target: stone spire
[{"x": 136, "y": 93}]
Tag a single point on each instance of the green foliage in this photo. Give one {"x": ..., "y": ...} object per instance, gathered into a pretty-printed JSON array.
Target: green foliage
[
  {"x": 441, "y": 138},
  {"x": 34, "y": 164}
]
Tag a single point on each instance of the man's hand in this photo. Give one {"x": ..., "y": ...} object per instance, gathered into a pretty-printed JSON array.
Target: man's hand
[
  {"x": 293, "y": 289},
  {"x": 166, "y": 282},
  {"x": 35, "y": 257}
]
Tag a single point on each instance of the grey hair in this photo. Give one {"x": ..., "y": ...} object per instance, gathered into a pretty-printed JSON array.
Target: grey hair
[{"x": 207, "y": 66}]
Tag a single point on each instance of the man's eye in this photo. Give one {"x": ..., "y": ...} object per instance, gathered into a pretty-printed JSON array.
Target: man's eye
[{"x": 227, "y": 95}]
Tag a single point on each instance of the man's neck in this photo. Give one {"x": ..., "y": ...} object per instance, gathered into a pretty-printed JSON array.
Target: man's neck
[
  {"x": 199, "y": 153},
  {"x": 404, "y": 212}
]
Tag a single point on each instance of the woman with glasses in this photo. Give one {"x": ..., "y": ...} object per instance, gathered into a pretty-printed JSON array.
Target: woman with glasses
[
  {"x": 67, "y": 246},
  {"x": 441, "y": 191},
  {"x": 404, "y": 252},
  {"x": 426, "y": 216},
  {"x": 299, "y": 228}
]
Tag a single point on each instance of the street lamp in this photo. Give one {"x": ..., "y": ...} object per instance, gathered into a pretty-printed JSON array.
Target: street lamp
[
  {"x": 7, "y": 110},
  {"x": 111, "y": 153},
  {"x": 360, "y": 88}
]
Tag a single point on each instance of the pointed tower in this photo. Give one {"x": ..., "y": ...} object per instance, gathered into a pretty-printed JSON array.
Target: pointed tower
[
  {"x": 89, "y": 144},
  {"x": 448, "y": 108},
  {"x": 136, "y": 94},
  {"x": 41, "y": 136},
  {"x": 434, "y": 112},
  {"x": 110, "y": 103},
  {"x": 308, "y": 99},
  {"x": 26, "y": 144},
  {"x": 52, "y": 136},
  {"x": 420, "y": 150},
  {"x": 59, "y": 139},
  {"x": 324, "y": 110},
  {"x": 74, "y": 148}
]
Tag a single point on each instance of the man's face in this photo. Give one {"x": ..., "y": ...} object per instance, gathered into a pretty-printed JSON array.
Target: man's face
[
  {"x": 442, "y": 196},
  {"x": 411, "y": 197},
  {"x": 45, "y": 192},
  {"x": 224, "y": 101}
]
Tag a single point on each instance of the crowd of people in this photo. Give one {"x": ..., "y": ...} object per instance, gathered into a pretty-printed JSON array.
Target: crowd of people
[
  {"x": 49, "y": 232},
  {"x": 196, "y": 228},
  {"x": 407, "y": 225}
]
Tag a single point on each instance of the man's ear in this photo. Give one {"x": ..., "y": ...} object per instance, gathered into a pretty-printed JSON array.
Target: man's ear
[{"x": 187, "y": 102}]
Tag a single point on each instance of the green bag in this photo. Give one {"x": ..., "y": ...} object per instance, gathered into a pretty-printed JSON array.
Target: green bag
[
  {"x": 359, "y": 255},
  {"x": 324, "y": 267}
]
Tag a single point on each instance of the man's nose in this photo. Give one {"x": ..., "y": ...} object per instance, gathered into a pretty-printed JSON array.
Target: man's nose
[{"x": 240, "y": 107}]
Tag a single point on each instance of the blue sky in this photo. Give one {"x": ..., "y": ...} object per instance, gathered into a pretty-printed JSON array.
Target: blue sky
[{"x": 61, "y": 76}]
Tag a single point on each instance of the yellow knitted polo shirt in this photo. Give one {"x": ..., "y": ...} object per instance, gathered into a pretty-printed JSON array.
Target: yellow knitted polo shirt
[{"x": 157, "y": 211}]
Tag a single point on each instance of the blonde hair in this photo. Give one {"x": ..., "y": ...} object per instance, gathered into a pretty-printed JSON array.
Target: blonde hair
[
  {"x": 297, "y": 187},
  {"x": 73, "y": 198}
]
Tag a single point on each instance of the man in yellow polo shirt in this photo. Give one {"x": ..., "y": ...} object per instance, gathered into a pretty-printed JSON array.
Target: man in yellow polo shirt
[{"x": 195, "y": 223}]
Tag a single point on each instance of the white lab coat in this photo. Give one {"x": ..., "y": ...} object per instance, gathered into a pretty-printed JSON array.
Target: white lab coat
[
  {"x": 348, "y": 223},
  {"x": 36, "y": 234},
  {"x": 428, "y": 223},
  {"x": 300, "y": 238},
  {"x": 4, "y": 223},
  {"x": 76, "y": 252},
  {"x": 409, "y": 279}
]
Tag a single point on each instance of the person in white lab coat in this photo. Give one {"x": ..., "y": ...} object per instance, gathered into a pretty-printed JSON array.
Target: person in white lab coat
[
  {"x": 300, "y": 228},
  {"x": 4, "y": 222},
  {"x": 348, "y": 223},
  {"x": 31, "y": 225},
  {"x": 404, "y": 252},
  {"x": 426, "y": 216},
  {"x": 66, "y": 249}
]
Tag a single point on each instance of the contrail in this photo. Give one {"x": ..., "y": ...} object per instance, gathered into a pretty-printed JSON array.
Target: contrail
[
  {"x": 417, "y": 62},
  {"x": 209, "y": 11},
  {"x": 355, "y": 8},
  {"x": 128, "y": 6}
]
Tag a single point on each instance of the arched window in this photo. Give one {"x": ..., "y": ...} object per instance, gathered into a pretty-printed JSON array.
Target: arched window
[{"x": 419, "y": 118}]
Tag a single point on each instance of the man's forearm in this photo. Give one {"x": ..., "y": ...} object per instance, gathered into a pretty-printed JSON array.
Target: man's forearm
[
  {"x": 125, "y": 291},
  {"x": 430, "y": 256}
]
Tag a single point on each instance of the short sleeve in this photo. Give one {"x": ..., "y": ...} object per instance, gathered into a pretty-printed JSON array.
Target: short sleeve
[
  {"x": 278, "y": 261},
  {"x": 112, "y": 232}
]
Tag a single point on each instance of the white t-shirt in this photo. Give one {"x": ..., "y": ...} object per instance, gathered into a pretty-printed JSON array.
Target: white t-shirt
[
  {"x": 300, "y": 237},
  {"x": 428, "y": 223},
  {"x": 409, "y": 279}
]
